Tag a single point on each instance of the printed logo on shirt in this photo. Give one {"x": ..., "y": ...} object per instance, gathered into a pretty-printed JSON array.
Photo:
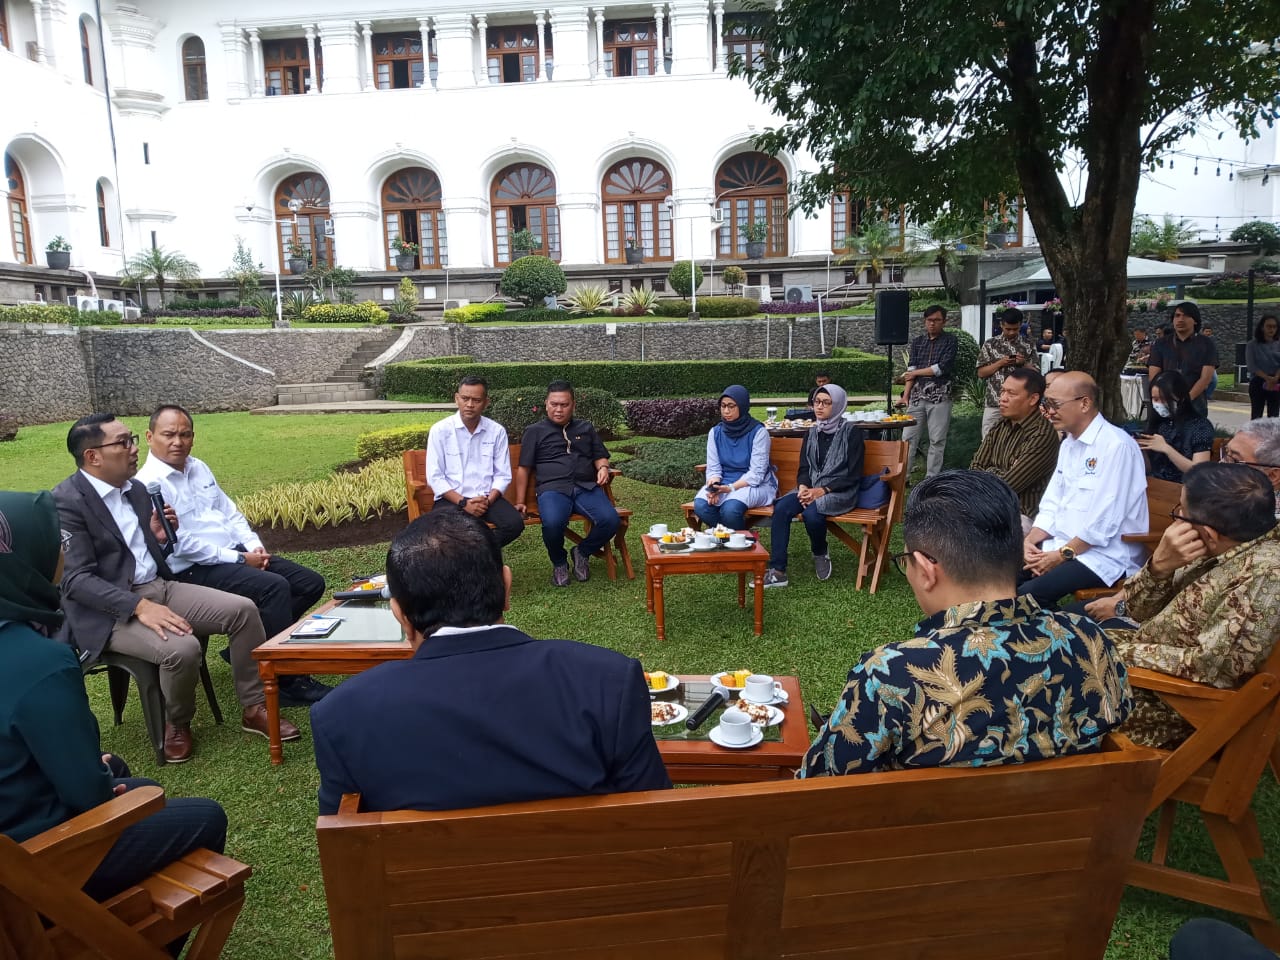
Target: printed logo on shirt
[{"x": 1091, "y": 466}]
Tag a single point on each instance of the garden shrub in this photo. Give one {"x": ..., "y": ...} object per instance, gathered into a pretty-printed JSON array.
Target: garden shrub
[
  {"x": 452, "y": 358},
  {"x": 212, "y": 313},
  {"x": 709, "y": 308},
  {"x": 1233, "y": 286},
  {"x": 789, "y": 307},
  {"x": 338, "y": 498},
  {"x": 367, "y": 312},
  {"x": 475, "y": 312},
  {"x": 521, "y": 407},
  {"x": 376, "y": 444},
  {"x": 58, "y": 313},
  {"x": 252, "y": 319},
  {"x": 965, "y": 384},
  {"x": 963, "y": 437},
  {"x": 9, "y": 427},
  {"x": 668, "y": 463},
  {"x": 532, "y": 279},
  {"x": 678, "y": 279},
  {"x": 181, "y": 305},
  {"x": 675, "y": 418},
  {"x": 536, "y": 315}
]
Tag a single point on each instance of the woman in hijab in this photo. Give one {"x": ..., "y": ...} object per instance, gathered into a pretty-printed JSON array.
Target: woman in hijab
[
  {"x": 51, "y": 765},
  {"x": 739, "y": 474},
  {"x": 827, "y": 485}
]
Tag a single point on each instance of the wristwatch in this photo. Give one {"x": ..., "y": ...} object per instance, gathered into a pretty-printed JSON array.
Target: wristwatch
[
  {"x": 239, "y": 558},
  {"x": 1067, "y": 553},
  {"x": 1122, "y": 608}
]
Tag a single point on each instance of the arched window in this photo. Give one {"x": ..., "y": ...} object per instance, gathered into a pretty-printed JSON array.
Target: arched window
[
  {"x": 86, "y": 52},
  {"x": 523, "y": 197},
  {"x": 411, "y": 211},
  {"x": 19, "y": 218},
  {"x": 195, "y": 81},
  {"x": 631, "y": 196},
  {"x": 752, "y": 188},
  {"x": 104, "y": 234},
  {"x": 310, "y": 195}
]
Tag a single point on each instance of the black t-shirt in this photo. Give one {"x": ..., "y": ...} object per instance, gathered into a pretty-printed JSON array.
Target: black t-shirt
[
  {"x": 562, "y": 458},
  {"x": 1188, "y": 357}
]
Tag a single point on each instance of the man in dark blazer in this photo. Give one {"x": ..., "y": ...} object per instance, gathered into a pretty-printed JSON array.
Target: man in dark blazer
[
  {"x": 483, "y": 713},
  {"x": 119, "y": 593}
]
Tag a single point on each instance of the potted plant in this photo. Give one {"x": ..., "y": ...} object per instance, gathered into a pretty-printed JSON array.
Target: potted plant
[
  {"x": 58, "y": 253},
  {"x": 523, "y": 243},
  {"x": 1000, "y": 229},
  {"x": 299, "y": 256},
  {"x": 733, "y": 277},
  {"x": 755, "y": 233},
  {"x": 406, "y": 254},
  {"x": 635, "y": 254}
]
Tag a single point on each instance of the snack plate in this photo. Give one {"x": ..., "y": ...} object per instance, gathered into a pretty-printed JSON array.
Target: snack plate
[
  {"x": 672, "y": 682},
  {"x": 681, "y": 711},
  {"x": 675, "y": 547}
]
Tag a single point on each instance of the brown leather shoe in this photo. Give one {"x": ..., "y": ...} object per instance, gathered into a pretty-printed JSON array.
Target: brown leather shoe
[
  {"x": 178, "y": 743},
  {"x": 254, "y": 720}
]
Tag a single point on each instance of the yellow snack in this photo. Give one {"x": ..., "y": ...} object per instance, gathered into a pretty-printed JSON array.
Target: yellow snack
[
  {"x": 740, "y": 677},
  {"x": 657, "y": 680},
  {"x": 668, "y": 538}
]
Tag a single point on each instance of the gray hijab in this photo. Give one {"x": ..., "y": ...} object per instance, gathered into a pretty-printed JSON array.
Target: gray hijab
[{"x": 839, "y": 401}]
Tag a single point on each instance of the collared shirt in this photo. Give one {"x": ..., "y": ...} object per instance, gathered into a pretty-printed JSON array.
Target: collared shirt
[
  {"x": 1098, "y": 493},
  {"x": 126, "y": 518},
  {"x": 997, "y": 348},
  {"x": 562, "y": 458},
  {"x": 938, "y": 355},
  {"x": 1189, "y": 357},
  {"x": 1189, "y": 438},
  {"x": 209, "y": 523},
  {"x": 1023, "y": 454},
  {"x": 982, "y": 683},
  {"x": 466, "y": 462}
]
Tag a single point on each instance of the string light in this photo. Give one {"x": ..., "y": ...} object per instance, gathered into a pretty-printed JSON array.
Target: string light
[
  {"x": 1196, "y": 171},
  {"x": 1219, "y": 169}
]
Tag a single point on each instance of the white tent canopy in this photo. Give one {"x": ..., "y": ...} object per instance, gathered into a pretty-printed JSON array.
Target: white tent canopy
[{"x": 1142, "y": 274}]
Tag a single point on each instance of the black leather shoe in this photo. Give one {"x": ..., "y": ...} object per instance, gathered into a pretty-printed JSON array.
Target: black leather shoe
[
  {"x": 301, "y": 691},
  {"x": 225, "y": 653}
]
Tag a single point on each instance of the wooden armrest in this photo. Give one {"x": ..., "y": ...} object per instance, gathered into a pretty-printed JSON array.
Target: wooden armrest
[
  {"x": 1150, "y": 538},
  {"x": 700, "y": 467},
  {"x": 891, "y": 472},
  {"x": 350, "y": 803},
  {"x": 75, "y": 848},
  {"x": 1157, "y": 682}
]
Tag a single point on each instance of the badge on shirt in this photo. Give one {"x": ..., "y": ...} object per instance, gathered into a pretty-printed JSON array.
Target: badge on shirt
[{"x": 1091, "y": 466}]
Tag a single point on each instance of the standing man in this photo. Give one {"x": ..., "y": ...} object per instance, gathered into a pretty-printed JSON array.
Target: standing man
[
  {"x": 1098, "y": 494},
  {"x": 218, "y": 549},
  {"x": 572, "y": 468},
  {"x": 469, "y": 462},
  {"x": 1140, "y": 352},
  {"x": 998, "y": 356},
  {"x": 927, "y": 395},
  {"x": 118, "y": 592},
  {"x": 1189, "y": 352}
]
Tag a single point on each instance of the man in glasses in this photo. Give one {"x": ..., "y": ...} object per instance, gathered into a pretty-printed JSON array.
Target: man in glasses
[
  {"x": 119, "y": 593},
  {"x": 1257, "y": 444},
  {"x": 985, "y": 678},
  {"x": 1208, "y": 600},
  {"x": 1097, "y": 494}
]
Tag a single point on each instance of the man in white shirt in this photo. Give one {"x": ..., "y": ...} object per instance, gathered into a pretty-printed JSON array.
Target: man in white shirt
[
  {"x": 218, "y": 549},
  {"x": 1098, "y": 493},
  {"x": 469, "y": 462}
]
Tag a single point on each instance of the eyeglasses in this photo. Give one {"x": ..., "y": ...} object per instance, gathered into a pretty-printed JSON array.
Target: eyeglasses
[
  {"x": 1177, "y": 514},
  {"x": 1227, "y": 456},
  {"x": 728, "y": 406},
  {"x": 900, "y": 559},
  {"x": 128, "y": 442},
  {"x": 1054, "y": 405}
]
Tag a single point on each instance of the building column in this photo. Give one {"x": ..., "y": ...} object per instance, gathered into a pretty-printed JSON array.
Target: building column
[
  {"x": 599, "y": 61},
  {"x": 424, "y": 28},
  {"x": 455, "y": 52},
  {"x": 480, "y": 50},
  {"x": 722, "y": 57},
  {"x": 233, "y": 53},
  {"x": 470, "y": 239},
  {"x": 42, "y": 52},
  {"x": 259, "y": 86},
  {"x": 342, "y": 58},
  {"x": 690, "y": 54},
  {"x": 366, "y": 31},
  {"x": 580, "y": 235},
  {"x": 540, "y": 19},
  {"x": 569, "y": 32},
  {"x": 311, "y": 59},
  {"x": 660, "y": 67}
]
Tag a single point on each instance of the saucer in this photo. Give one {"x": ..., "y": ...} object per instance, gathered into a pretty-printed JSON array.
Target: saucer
[
  {"x": 780, "y": 696},
  {"x": 746, "y": 546},
  {"x": 757, "y": 735},
  {"x": 706, "y": 549}
]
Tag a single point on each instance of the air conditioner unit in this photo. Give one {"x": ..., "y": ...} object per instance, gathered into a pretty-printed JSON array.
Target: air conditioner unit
[
  {"x": 799, "y": 293},
  {"x": 84, "y": 303},
  {"x": 760, "y": 294},
  {"x": 455, "y": 304},
  {"x": 115, "y": 306},
  {"x": 328, "y": 228}
]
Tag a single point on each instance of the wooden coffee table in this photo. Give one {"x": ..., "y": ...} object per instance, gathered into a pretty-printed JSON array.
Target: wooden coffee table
[{"x": 658, "y": 565}]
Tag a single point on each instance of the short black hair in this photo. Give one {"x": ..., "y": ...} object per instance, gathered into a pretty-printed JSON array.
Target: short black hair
[
  {"x": 445, "y": 569},
  {"x": 934, "y": 308},
  {"x": 1177, "y": 396},
  {"x": 85, "y": 433},
  {"x": 1235, "y": 500},
  {"x": 1011, "y": 315},
  {"x": 471, "y": 380},
  {"x": 1257, "y": 331},
  {"x": 970, "y": 523},
  {"x": 1191, "y": 309},
  {"x": 824, "y": 372},
  {"x": 1032, "y": 379},
  {"x": 559, "y": 386},
  {"x": 155, "y": 414}
]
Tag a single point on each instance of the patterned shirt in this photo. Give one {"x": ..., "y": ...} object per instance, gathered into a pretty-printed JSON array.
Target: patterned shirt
[
  {"x": 982, "y": 683},
  {"x": 1023, "y": 455},
  {"x": 1192, "y": 437},
  {"x": 997, "y": 348},
  {"x": 940, "y": 354}
]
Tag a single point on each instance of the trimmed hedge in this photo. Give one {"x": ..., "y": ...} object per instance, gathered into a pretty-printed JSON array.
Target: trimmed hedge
[
  {"x": 203, "y": 313},
  {"x": 377, "y": 444},
  {"x": 520, "y": 407},
  {"x": 709, "y": 308},
  {"x": 475, "y": 312},
  {"x": 453, "y": 358},
  {"x": 182, "y": 305},
  {"x": 367, "y": 312},
  {"x": 538, "y": 315},
  {"x": 668, "y": 463},
  {"x": 684, "y": 417},
  {"x": 859, "y": 373},
  {"x": 58, "y": 313}
]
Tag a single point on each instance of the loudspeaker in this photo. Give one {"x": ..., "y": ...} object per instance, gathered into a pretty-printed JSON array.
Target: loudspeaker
[{"x": 893, "y": 308}]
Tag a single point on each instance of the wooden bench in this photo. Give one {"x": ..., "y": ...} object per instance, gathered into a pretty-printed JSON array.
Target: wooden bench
[
  {"x": 421, "y": 499},
  {"x": 44, "y": 914},
  {"x": 962, "y": 863},
  {"x": 877, "y": 525},
  {"x": 1162, "y": 497}
]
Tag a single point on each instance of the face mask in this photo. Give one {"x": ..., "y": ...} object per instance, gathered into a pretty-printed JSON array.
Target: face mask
[{"x": 1162, "y": 410}]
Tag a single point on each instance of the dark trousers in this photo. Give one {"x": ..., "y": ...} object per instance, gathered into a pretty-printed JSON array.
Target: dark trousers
[
  {"x": 1208, "y": 939},
  {"x": 1065, "y": 578},
  {"x": 784, "y": 511},
  {"x": 282, "y": 593},
  {"x": 1258, "y": 398},
  {"x": 507, "y": 522},
  {"x": 555, "y": 509}
]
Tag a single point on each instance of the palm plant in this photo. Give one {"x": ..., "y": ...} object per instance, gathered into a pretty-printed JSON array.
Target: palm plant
[
  {"x": 159, "y": 266},
  {"x": 587, "y": 300},
  {"x": 1160, "y": 241},
  {"x": 871, "y": 249}
]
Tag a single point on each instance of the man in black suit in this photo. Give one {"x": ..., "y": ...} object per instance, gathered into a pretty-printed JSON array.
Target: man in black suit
[
  {"x": 486, "y": 713},
  {"x": 119, "y": 593}
]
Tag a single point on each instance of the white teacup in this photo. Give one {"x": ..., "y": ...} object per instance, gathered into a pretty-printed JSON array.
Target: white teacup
[
  {"x": 703, "y": 540},
  {"x": 658, "y": 530},
  {"x": 760, "y": 688},
  {"x": 771, "y": 412},
  {"x": 737, "y": 539},
  {"x": 735, "y": 726}
]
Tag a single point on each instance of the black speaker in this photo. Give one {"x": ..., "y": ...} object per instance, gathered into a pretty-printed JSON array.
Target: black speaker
[{"x": 893, "y": 309}]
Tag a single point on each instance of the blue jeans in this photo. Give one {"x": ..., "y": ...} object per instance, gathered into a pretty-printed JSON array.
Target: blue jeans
[
  {"x": 555, "y": 509},
  {"x": 784, "y": 511},
  {"x": 1208, "y": 939},
  {"x": 732, "y": 513}
]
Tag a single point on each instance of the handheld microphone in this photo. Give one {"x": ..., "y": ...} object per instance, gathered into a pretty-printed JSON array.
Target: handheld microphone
[
  {"x": 157, "y": 501},
  {"x": 718, "y": 696}
]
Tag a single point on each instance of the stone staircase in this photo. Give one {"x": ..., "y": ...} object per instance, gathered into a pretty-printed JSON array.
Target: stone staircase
[{"x": 344, "y": 384}]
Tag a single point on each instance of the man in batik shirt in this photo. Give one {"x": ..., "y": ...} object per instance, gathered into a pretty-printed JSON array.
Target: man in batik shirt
[
  {"x": 927, "y": 394},
  {"x": 998, "y": 357},
  {"x": 990, "y": 677}
]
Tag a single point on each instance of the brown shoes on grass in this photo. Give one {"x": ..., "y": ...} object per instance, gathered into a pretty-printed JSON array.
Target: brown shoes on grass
[
  {"x": 254, "y": 720},
  {"x": 178, "y": 743}
]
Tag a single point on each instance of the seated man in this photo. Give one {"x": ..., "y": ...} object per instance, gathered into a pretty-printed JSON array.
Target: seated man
[
  {"x": 1097, "y": 494},
  {"x": 486, "y": 714},
  {"x": 1257, "y": 444},
  {"x": 469, "y": 462},
  {"x": 989, "y": 678},
  {"x": 1208, "y": 600},
  {"x": 218, "y": 549},
  {"x": 820, "y": 380},
  {"x": 572, "y": 468},
  {"x": 119, "y": 592},
  {"x": 1022, "y": 449}
]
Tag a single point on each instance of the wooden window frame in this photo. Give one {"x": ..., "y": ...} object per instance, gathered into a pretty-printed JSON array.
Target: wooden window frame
[
  {"x": 86, "y": 52},
  {"x": 742, "y": 202},
  {"x": 640, "y": 213},
  {"x": 6, "y": 40},
  {"x": 737, "y": 42},
  {"x": 498, "y": 42},
  {"x": 18, "y": 213},
  {"x": 195, "y": 76},
  {"x": 104, "y": 231},
  {"x": 1019, "y": 218},
  {"x": 848, "y": 217},
  {"x": 295, "y": 68},
  {"x": 410, "y": 56},
  {"x": 310, "y": 219},
  {"x": 613, "y": 47},
  {"x": 543, "y": 206},
  {"x": 427, "y": 216}
]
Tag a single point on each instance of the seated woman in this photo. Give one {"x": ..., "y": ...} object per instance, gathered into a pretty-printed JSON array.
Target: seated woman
[
  {"x": 739, "y": 474},
  {"x": 1176, "y": 435},
  {"x": 51, "y": 765},
  {"x": 827, "y": 485}
]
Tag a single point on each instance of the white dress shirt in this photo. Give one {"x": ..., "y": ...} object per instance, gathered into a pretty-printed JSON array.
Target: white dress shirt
[
  {"x": 126, "y": 518},
  {"x": 470, "y": 464},
  {"x": 1098, "y": 493},
  {"x": 210, "y": 524}
]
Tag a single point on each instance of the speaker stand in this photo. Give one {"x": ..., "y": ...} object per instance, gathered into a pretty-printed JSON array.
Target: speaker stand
[{"x": 888, "y": 381}]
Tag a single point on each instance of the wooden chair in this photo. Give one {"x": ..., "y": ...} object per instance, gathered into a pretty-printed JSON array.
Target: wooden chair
[
  {"x": 1216, "y": 770},
  {"x": 44, "y": 915},
  {"x": 421, "y": 499},
  {"x": 1162, "y": 497},
  {"x": 879, "y": 456},
  {"x": 906, "y": 864}
]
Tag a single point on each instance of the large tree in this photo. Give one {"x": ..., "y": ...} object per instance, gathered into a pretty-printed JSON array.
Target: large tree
[{"x": 943, "y": 105}]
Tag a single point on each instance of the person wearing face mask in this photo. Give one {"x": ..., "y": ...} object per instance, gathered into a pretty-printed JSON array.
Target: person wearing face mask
[{"x": 1177, "y": 436}]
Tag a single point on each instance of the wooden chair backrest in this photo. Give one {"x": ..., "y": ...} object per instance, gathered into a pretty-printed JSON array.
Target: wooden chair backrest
[
  {"x": 1162, "y": 497},
  {"x": 876, "y": 456},
  {"x": 889, "y": 862}
]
